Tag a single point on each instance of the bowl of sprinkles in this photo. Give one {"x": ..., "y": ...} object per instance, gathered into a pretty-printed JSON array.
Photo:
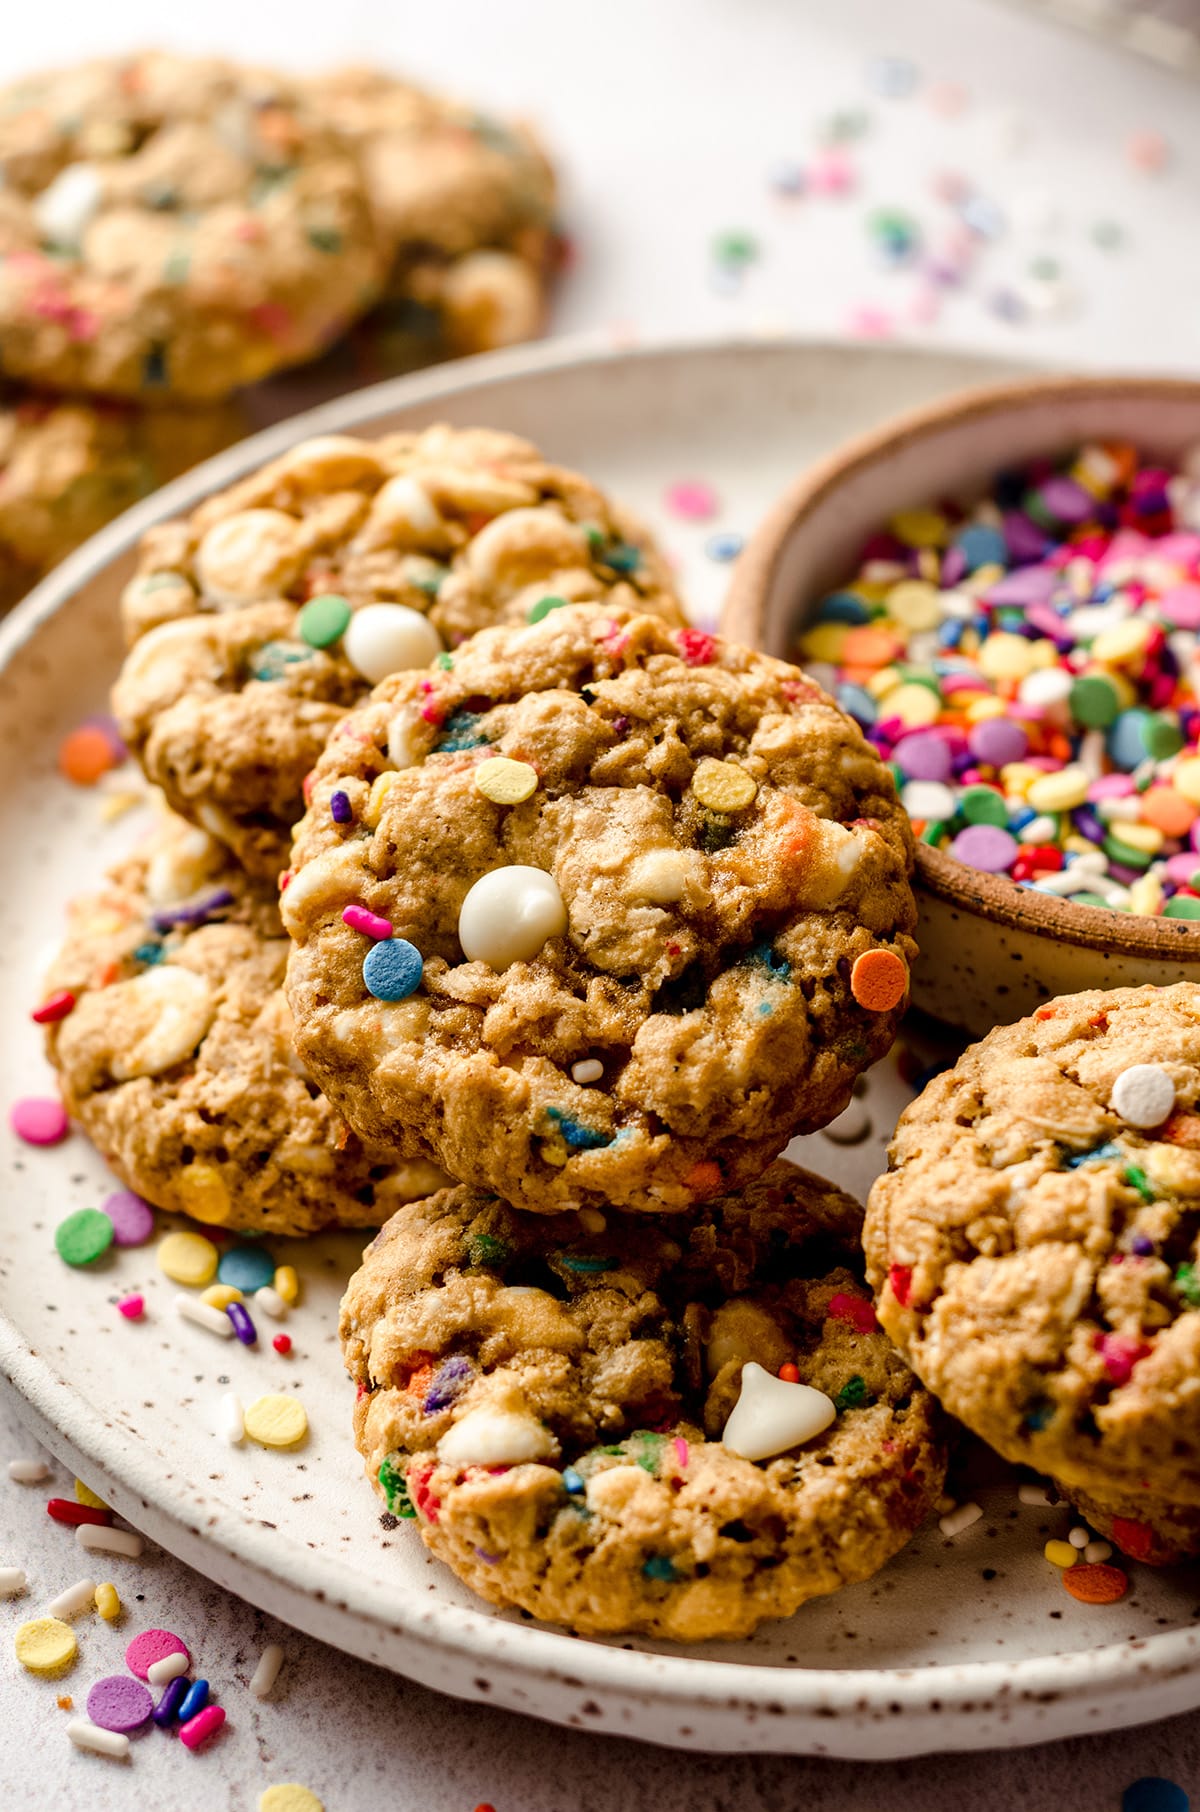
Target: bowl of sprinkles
[{"x": 1003, "y": 590}]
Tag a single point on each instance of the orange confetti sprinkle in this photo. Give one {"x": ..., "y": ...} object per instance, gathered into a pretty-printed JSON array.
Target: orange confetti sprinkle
[
  {"x": 704, "y": 1178},
  {"x": 85, "y": 755},
  {"x": 879, "y": 980},
  {"x": 869, "y": 647},
  {"x": 1096, "y": 1584},
  {"x": 1182, "y": 1129},
  {"x": 1168, "y": 811}
]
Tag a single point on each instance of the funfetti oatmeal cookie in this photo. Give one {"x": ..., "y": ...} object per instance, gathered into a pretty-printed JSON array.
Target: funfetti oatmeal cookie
[
  {"x": 465, "y": 206},
  {"x": 174, "y": 227},
  {"x": 177, "y": 1057},
  {"x": 675, "y": 1428},
  {"x": 1036, "y": 1251},
  {"x": 69, "y": 466},
  {"x": 598, "y": 911},
  {"x": 279, "y": 603}
]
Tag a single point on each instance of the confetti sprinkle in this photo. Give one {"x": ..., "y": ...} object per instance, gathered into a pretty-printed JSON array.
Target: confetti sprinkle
[
  {"x": 86, "y": 755},
  {"x": 39, "y": 1120},
  {"x": 287, "y": 1796},
  {"x": 44, "y": 1645},
  {"x": 118, "y": 1702},
  {"x": 151, "y": 1646},
  {"x": 691, "y": 499},
  {"x": 724, "y": 547},
  {"x": 83, "y": 1237},
  {"x": 246, "y": 1268},
  {"x": 323, "y": 620},
  {"x": 1154, "y": 1794},
  {"x": 188, "y": 1258},
  {"x": 277, "y": 1420},
  {"x": 132, "y": 1218},
  {"x": 1093, "y": 1584}
]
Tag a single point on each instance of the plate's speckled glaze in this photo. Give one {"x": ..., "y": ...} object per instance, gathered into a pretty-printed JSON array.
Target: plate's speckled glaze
[{"x": 955, "y": 1645}]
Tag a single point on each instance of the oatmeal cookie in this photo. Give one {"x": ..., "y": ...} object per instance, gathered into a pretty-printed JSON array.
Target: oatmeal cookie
[
  {"x": 464, "y": 204},
  {"x": 1036, "y": 1251},
  {"x": 177, "y": 1058},
  {"x": 174, "y": 227},
  {"x": 69, "y": 466},
  {"x": 232, "y": 689},
  {"x": 550, "y": 1396},
  {"x": 637, "y": 912}
]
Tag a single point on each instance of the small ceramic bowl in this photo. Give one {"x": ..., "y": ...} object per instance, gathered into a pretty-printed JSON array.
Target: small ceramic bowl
[{"x": 992, "y": 951}]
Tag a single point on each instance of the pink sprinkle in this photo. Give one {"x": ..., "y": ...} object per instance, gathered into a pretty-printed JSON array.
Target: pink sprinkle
[
  {"x": 1148, "y": 152},
  {"x": 1181, "y": 606},
  {"x": 39, "y": 1120},
  {"x": 84, "y": 324},
  {"x": 132, "y": 1307},
  {"x": 691, "y": 499},
  {"x": 1120, "y": 1354},
  {"x": 369, "y": 923},
  {"x": 831, "y": 173},
  {"x": 697, "y": 647},
  {"x": 681, "y": 1451},
  {"x": 1112, "y": 786},
  {"x": 203, "y": 1725},
  {"x": 866, "y": 322}
]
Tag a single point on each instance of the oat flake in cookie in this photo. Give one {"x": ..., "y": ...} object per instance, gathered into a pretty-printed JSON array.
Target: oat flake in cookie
[
  {"x": 464, "y": 204},
  {"x": 243, "y": 614},
  {"x": 177, "y": 1057},
  {"x": 174, "y": 227},
  {"x": 649, "y": 909},
  {"x": 547, "y": 1394},
  {"x": 1036, "y": 1252}
]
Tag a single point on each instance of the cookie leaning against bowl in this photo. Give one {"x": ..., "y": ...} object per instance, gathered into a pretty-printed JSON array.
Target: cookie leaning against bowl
[
  {"x": 68, "y": 466},
  {"x": 255, "y": 636},
  {"x": 651, "y": 912},
  {"x": 177, "y": 1059},
  {"x": 174, "y": 227},
  {"x": 547, "y": 1395},
  {"x": 1035, "y": 1247},
  {"x": 465, "y": 206}
]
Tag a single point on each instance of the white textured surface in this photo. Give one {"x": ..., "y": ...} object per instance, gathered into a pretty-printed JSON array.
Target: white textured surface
[{"x": 667, "y": 117}]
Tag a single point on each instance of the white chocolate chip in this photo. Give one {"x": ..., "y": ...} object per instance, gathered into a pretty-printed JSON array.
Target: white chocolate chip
[
  {"x": 404, "y": 738},
  {"x": 403, "y": 513},
  {"x": 1143, "y": 1095},
  {"x": 65, "y": 207},
  {"x": 254, "y": 554},
  {"x": 322, "y": 885},
  {"x": 162, "y": 1014},
  {"x": 330, "y": 462},
  {"x": 509, "y": 914},
  {"x": 180, "y": 865},
  {"x": 389, "y": 638},
  {"x": 495, "y": 1437},
  {"x": 772, "y": 1416},
  {"x": 524, "y": 545},
  {"x": 662, "y": 875}
]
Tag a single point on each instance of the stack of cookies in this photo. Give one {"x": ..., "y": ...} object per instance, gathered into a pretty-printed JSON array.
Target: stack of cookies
[
  {"x": 173, "y": 229},
  {"x": 495, "y": 899}
]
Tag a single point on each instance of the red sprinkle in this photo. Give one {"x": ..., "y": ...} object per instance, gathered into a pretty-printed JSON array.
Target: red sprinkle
[
  {"x": 63, "y": 1510},
  {"x": 790, "y": 1373},
  {"x": 55, "y": 1006},
  {"x": 697, "y": 647},
  {"x": 1120, "y": 1354},
  {"x": 282, "y": 1343},
  {"x": 132, "y": 1307},
  {"x": 1135, "y": 1539},
  {"x": 900, "y": 1282},
  {"x": 855, "y": 1310}
]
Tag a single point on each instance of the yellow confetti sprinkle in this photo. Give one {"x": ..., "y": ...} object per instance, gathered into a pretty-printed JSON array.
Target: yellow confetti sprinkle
[
  {"x": 45, "y": 1645},
  {"x": 287, "y": 1283},
  {"x": 1060, "y": 1554},
  {"x": 188, "y": 1258},
  {"x": 506, "y": 782},
  {"x": 108, "y": 1602},
  {"x": 85, "y": 1495},
  {"x": 220, "y": 1295},
  {"x": 915, "y": 605},
  {"x": 921, "y": 528},
  {"x": 204, "y": 1194},
  {"x": 288, "y": 1797},
  {"x": 722, "y": 786},
  {"x": 276, "y": 1421}
]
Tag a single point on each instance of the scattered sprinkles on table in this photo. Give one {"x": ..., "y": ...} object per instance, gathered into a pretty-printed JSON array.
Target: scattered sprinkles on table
[{"x": 1030, "y": 668}]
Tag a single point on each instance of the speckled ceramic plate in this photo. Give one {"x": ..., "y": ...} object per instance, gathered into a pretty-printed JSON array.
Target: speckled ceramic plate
[{"x": 955, "y": 1645}]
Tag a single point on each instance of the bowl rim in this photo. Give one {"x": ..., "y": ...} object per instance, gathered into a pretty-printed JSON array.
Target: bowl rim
[{"x": 991, "y": 897}]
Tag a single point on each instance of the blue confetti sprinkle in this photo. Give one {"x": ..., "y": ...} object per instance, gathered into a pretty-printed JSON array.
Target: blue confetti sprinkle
[
  {"x": 392, "y": 969},
  {"x": 574, "y": 1133},
  {"x": 725, "y": 546},
  {"x": 1154, "y": 1794},
  {"x": 461, "y": 731},
  {"x": 246, "y": 1268},
  {"x": 572, "y": 1481},
  {"x": 660, "y": 1566},
  {"x": 1098, "y": 1156},
  {"x": 571, "y": 1261}
]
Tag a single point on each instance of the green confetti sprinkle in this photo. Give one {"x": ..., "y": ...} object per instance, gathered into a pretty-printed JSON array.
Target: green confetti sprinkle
[
  {"x": 395, "y": 1489},
  {"x": 83, "y": 1236},
  {"x": 1188, "y": 1285},
  {"x": 324, "y": 620},
  {"x": 853, "y": 1395}
]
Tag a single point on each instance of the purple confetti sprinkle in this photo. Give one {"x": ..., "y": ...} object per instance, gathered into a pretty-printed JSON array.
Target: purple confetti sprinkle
[
  {"x": 449, "y": 1382},
  {"x": 132, "y": 1218},
  {"x": 119, "y": 1702}
]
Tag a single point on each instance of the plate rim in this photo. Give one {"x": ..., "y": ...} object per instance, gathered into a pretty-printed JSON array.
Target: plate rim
[{"x": 672, "y": 1682}]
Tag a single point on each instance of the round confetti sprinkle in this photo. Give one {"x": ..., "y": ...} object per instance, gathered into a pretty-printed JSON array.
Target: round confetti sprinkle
[
  {"x": 690, "y": 498},
  {"x": 722, "y": 786},
  {"x": 878, "y": 980},
  {"x": 246, "y": 1268},
  {"x": 392, "y": 970},
  {"x": 323, "y": 620},
  {"x": 287, "y": 1796},
  {"x": 119, "y": 1703},
  {"x": 83, "y": 1237},
  {"x": 724, "y": 547},
  {"x": 45, "y": 1645},
  {"x": 1094, "y": 1584},
  {"x": 188, "y": 1258},
  {"x": 39, "y": 1120},
  {"x": 151, "y": 1646},
  {"x": 276, "y": 1421},
  {"x": 506, "y": 782},
  {"x": 86, "y": 755},
  {"x": 538, "y": 612},
  {"x": 132, "y": 1218},
  {"x": 1154, "y": 1794}
]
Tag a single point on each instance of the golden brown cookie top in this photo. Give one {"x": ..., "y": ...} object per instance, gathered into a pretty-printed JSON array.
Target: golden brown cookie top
[
  {"x": 649, "y": 894},
  {"x": 1036, "y": 1242}
]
